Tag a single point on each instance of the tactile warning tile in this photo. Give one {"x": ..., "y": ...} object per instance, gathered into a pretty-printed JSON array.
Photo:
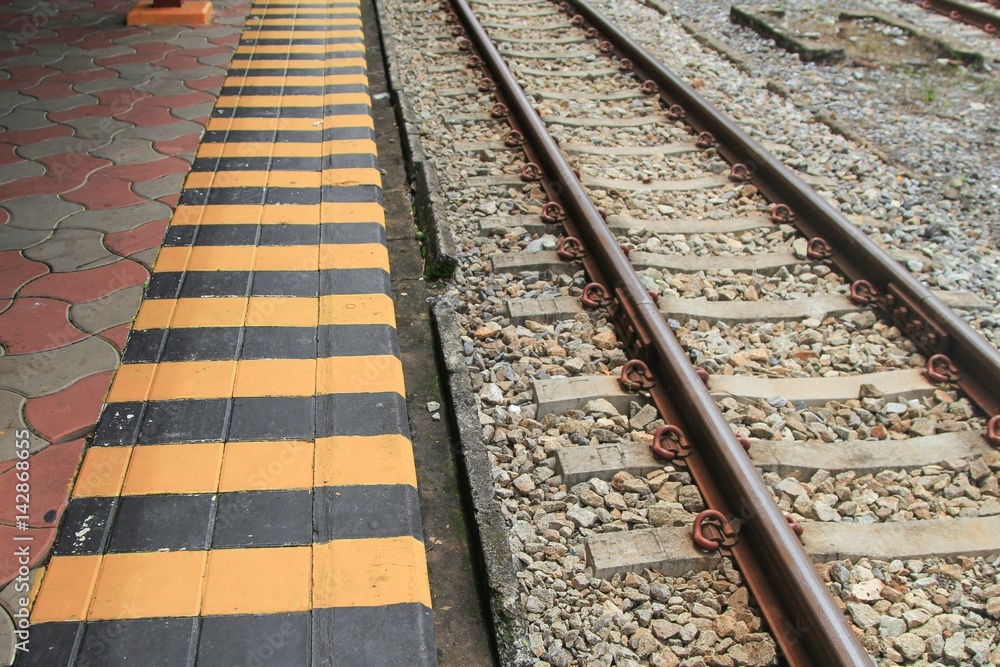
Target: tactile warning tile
[{"x": 252, "y": 474}]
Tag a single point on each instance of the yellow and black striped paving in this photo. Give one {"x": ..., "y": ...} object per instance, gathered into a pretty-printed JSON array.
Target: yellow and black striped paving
[{"x": 250, "y": 495}]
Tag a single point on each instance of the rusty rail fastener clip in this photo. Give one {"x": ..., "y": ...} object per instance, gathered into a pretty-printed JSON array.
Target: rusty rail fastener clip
[
  {"x": 715, "y": 535},
  {"x": 993, "y": 430},
  {"x": 818, "y": 248},
  {"x": 531, "y": 172},
  {"x": 940, "y": 368},
  {"x": 669, "y": 443},
  {"x": 595, "y": 295},
  {"x": 513, "y": 139},
  {"x": 863, "y": 292},
  {"x": 782, "y": 213},
  {"x": 570, "y": 249},
  {"x": 635, "y": 375},
  {"x": 552, "y": 213}
]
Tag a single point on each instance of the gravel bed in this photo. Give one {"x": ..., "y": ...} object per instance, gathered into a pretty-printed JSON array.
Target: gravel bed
[{"x": 645, "y": 618}]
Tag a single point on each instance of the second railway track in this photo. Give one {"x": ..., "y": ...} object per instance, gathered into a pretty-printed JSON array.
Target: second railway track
[{"x": 874, "y": 460}]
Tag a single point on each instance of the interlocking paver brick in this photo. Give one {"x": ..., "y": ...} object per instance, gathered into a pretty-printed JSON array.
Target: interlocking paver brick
[
  {"x": 145, "y": 237},
  {"x": 14, "y": 238},
  {"x": 24, "y": 119},
  {"x": 64, "y": 104},
  {"x": 17, "y": 271},
  {"x": 21, "y": 324},
  {"x": 116, "y": 219},
  {"x": 127, "y": 150},
  {"x": 39, "y": 211},
  {"x": 23, "y": 169},
  {"x": 53, "y": 468},
  {"x": 72, "y": 250},
  {"x": 39, "y": 374},
  {"x": 71, "y": 412},
  {"x": 159, "y": 187},
  {"x": 116, "y": 308},
  {"x": 89, "y": 284},
  {"x": 117, "y": 335}
]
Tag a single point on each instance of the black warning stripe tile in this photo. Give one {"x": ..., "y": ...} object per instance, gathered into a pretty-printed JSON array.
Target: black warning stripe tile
[
  {"x": 274, "y": 235},
  {"x": 249, "y": 88},
  {"x": 52, "y": 645},
  {"x": 304, "y": 40},
  {"x": 292, "y": 56},
  {"x": 171, "y": 285},
  {"x": 276, "y": 163},
  {"x": 252, "y": 419},
  {"x": 264, "y": 640},
  {"x": 163, "y": 523},
  {"x": 263, "y": 519},
  {"x": 389, "y": 630},
  {"x": 286, "y": 136},
  {"x": 271, "y": 342},
  {"x": 275, "y": 23},
  {"x": 294, "y": 71},
  {"x": 280, "y": 196},
  {"x": 291, "y": 111},
  {"x": 368, "y": 511},
  {"x": 86, "y": 525}
]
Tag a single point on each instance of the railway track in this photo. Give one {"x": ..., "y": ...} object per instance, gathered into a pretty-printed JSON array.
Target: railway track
[
  {"x": 696, "y": 254},
  {"x": 979, "y": 14}
]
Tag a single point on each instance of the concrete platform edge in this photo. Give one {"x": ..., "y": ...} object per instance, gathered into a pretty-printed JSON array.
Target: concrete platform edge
[
  {"x": 510, "y": 623},
  {"x": 441, "y": 253}
]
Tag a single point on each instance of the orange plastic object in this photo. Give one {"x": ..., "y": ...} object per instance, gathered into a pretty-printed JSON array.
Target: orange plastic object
[{"x": 191, "y": 12}]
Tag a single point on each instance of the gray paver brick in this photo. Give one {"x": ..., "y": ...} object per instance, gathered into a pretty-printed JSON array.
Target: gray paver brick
[
  {"x": 165, "y": 132},
  {"x": 97, "y": 129},
  {"x": 39, "y": 212},
  {"x": 126, "y": 150},
  {"x": 145, "y": 257},
  {"x": 160, "y": 86},
  {"x": 136, "y": 71},
  {"x": 117, "y": 308},
  {"x": 195, "y": 111},
  {"x": 220, "y": 59},
  {"x": 72, "y": 250},
  {"x": 62, "y": 103},
  {"x": 18, "y": 170},
  {"x": 118, "y": 219},
  {"x": 12, "y": 238},
  {"x": 159, "y": 187},
  {"x": 11, "y": 98},
  {"x": 47, "y": 372},
  {"x": 24, "y": 119},
  {"x": 59, "y": 145},
  {"x": 75, "y": 63}
]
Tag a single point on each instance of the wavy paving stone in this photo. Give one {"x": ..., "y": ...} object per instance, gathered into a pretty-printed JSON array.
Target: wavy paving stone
[
  {"x": 72, "y": 250},
  {"x": 24, "y": 119},
  {"x": 145, "y": 237},
  {"x": 22, "y": 169},
  {"x": 70, "y": 413},
  {"x": 89, "y": 284},
  {"x": 117, "y": 308},
  {"x": 122, "y": 150},
  {"x": 117, "y": 219},
  {"x": 117, "y": 336},
  {"x": 52, "y": 470},
  {"x": 160, "y": 187},
  {"x": 17, "y": 271},
  {"x": 46, "y": 372},
  {"x": 64, "y": 173},
  {"x": 13, "y": 238},
  {"x": 25, "y": 139},
  {"x": 41, "y": 542},
  {"x": 35, "y": 325},
  {"x": 40, "y": 212},
  {"x": 11, "y": 419}
]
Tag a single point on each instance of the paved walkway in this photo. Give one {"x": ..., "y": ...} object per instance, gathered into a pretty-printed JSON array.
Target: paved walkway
[{"x": 100, "y": 124}]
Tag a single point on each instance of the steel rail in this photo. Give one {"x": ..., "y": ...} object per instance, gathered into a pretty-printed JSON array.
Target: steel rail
[
  {"x": 815, "y": 630},
  {"x": 964, "y": 12},
  {"x": 933, "y": 326}
]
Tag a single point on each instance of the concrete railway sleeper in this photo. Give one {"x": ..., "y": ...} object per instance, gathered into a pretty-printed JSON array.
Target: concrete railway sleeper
[{"x": 819, "y": 634}]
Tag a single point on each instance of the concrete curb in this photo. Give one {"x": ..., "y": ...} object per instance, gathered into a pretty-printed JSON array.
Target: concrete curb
[
  {"x": 509, "y": 621},
  {"x": 947, "y": 47},
  {"x": 440, "y": 251},
  {"x": 756, "y": 21}
]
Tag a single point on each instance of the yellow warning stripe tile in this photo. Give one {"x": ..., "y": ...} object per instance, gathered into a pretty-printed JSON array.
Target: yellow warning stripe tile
[
  {"x": 273, "y": 258},
  {"x": 103, "y": 472},
  {"x": 318, "y": 63},
  {"x": 319, "y": 79},
  {"x": 275, "y": 377},
  {"x": 268, "y": 214},
  {"x": 232, "y": 582},
  {"x": 270, "y": 101},
  {"x": 290, "y": 149},
  {"x": 181, "y": 468},
  {"x": 292, "y": 124},
  {"x": 67, "y": 589},
  {"x": 148, "y": 585},
  {"x": 334, "y": 14},
  {"x": 357, "y": 309},
  {"x": 370, "y": 573},
  {"x": 279, "y": 32},
  {"x": 267, "y": 466},
  {"x": 254, "y": 179},
  {"x": 360, "y": 375},
  {"x": 260, "y": 311},
  {"x": 298, "y": 48},
  {"x": 250, "y": 378},
  {"x": 362, "y": 460}
]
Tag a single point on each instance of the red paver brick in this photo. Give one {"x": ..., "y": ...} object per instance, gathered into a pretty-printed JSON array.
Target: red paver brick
[
  {"x": 89, "y": 284},
  {"x": 181, "y": 101},
  {"x": 148, "y": 115},
  {"x": 34, "y": 324},
  {"x": 120, "y": 99},
  {"x": 41, "y": 542},
  {"x": 4, "y": 216},
  {"x": 52, "y": 473},
  {"x": 71, "y": 412},
  {"x": 104, "y": 191},
  {"x": 25, "y": 137},
  {"x": 66, "y": 172},
  {"x": 143, "y": 237},
  {"x": 7, "y": 154},
  {"x": 145, "y": 171},
  {"x": 16, "y": 270},
  {"x": 170, "y": 200},
  {"x": 84, "y": 77},
  {"x": 212, "y": 83},
  {"x": 50, "y": 90},
  {"x": 186, "y": 144},
  {"x": 117, "y": 335}
]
